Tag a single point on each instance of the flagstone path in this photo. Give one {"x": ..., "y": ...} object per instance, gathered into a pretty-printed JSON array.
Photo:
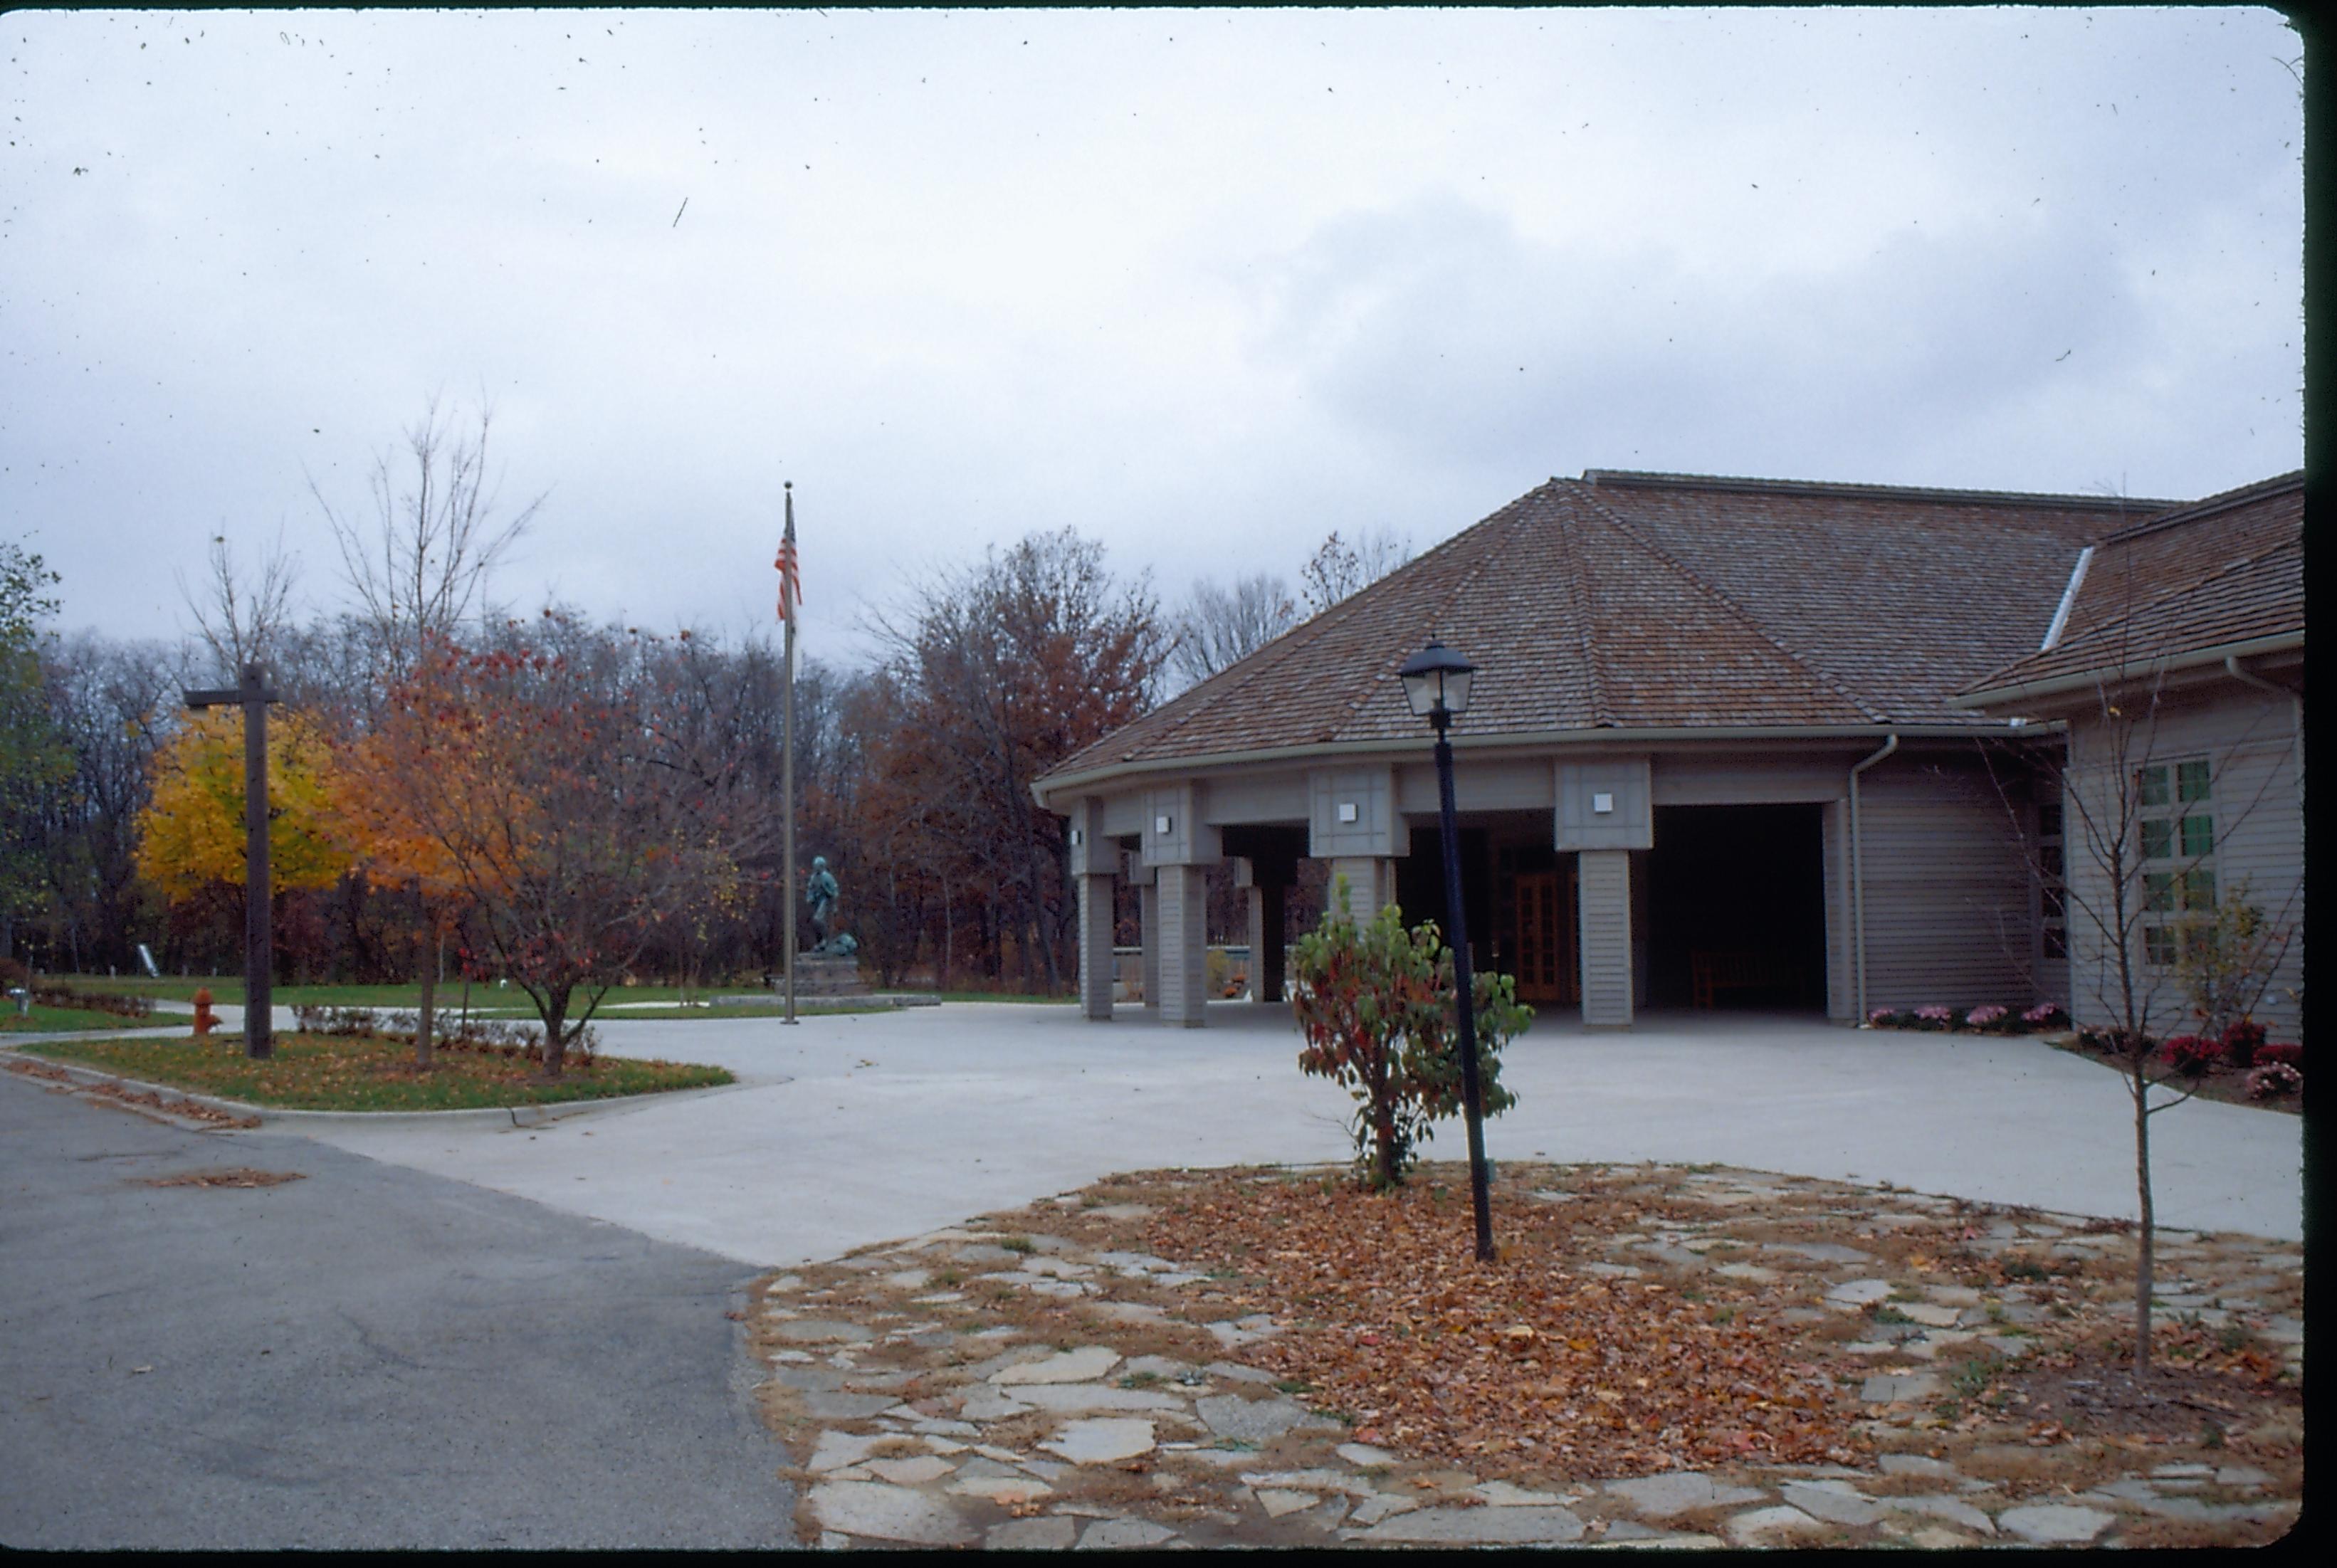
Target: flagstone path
[{"x": 924, "y": 1414}]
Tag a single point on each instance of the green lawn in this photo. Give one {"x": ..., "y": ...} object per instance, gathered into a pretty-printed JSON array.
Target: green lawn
[
  {"x": 486, "y": 1000},
  {"x": 368, "y": 1073},
  {"x": 51, "y": 1020}
]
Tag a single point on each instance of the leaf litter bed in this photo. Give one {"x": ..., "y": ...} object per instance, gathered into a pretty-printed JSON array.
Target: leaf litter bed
[
  {"x": 324, "y": 1072},
  {"x": 1638, "y": 1320}
]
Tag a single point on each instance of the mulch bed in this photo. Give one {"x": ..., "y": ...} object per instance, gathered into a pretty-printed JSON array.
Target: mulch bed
[{"x": 1401, "y": 1327}]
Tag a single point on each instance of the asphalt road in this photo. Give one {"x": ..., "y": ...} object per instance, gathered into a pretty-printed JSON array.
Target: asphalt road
[{"x": 369, "y": 1357}]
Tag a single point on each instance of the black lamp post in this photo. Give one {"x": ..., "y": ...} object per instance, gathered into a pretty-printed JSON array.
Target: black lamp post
[{"x": 1436, "y": 685}]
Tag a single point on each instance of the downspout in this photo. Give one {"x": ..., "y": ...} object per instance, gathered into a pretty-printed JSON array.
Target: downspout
[
  {"x": 1858, "y": 878},
  {"x": 2296, "y": 717}
]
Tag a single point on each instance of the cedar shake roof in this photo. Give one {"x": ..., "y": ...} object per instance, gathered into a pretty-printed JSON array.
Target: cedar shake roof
[
  {"x": 2229, "y": 569},
  {"x": 1643, "y": 600}
]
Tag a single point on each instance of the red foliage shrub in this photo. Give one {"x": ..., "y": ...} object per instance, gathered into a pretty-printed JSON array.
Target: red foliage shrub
[
  {"x": 2242, "y": 1041},
  {"x": 2286, "y": 1053},
  {"x": 2193, "y": 1055}
]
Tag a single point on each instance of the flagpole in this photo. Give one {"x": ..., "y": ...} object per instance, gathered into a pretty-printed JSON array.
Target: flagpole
[{"x": 787, "y": 751}]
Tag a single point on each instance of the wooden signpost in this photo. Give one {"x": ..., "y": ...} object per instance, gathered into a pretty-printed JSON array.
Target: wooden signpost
[{"x": 253, "y": 697}]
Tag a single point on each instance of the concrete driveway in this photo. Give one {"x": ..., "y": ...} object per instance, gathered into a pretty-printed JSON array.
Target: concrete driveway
[{"x": 848, "y": 1129}]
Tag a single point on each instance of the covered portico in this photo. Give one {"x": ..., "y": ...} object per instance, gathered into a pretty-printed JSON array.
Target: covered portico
[
  {"x": 1568, "y": 883},
  {"x": 1695, "y": 771}
]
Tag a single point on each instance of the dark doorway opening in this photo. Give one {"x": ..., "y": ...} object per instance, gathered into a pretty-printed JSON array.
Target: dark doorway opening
[
  {"x": 1736, "y": 908},
  {"x": 1420, "y": 886}
]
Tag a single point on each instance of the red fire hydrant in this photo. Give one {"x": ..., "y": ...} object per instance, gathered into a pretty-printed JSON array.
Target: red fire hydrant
[{"x": 206, "y": 1020}]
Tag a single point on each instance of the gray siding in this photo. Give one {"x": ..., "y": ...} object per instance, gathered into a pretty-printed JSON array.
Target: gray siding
[
  {"x": 1834, "y": 854},
  {"x": 1604, "y": 917},
  {"x": 1948, "y": 887},
  {"x": 2247, "y": 736}
]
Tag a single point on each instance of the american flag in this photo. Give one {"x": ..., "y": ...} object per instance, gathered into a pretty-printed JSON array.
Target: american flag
[{"x": 790, "y": 584}]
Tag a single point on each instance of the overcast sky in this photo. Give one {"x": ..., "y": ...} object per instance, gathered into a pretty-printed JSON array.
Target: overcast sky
[{"x": 1204, "y": 284}]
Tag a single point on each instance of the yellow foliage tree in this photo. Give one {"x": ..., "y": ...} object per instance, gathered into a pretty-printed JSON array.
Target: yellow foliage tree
[{"x": 190, "y": 834}]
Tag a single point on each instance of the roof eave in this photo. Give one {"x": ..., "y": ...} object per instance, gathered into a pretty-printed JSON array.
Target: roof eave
[
  {"x": 1046, "y": 790},
  {"x": 2130, "y": 670}
]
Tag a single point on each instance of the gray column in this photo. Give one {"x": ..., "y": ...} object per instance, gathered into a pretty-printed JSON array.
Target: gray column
[
  {"x": 1603, "y": 917},
  {"x": 1184, "y": 946},
  {"x": 1276, "y": 960},
  {"x": 1095, "y": 946},
  {"x": 1371, "y": 885},
  {"x": 1149, "y": 933}
]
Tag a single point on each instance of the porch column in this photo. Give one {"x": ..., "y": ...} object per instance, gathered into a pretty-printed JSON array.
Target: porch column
[
  {"x": 1184, "y": 900},
  {"x": 1095, "y": 945},
  {"x": 1371, "y": 885},
  {"x": 1603, "y": 882},
  {"x": 1148, "y": 898},
  {"x": 1266, "y": 955}
]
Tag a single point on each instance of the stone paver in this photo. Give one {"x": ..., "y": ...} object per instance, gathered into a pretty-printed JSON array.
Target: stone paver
[
  {"x": 1679, "y": 1492},
  {"x": 1758, "y": 1526},
  {"x": 2055, "y": 1524},
  {"x": 1084, "y": 1365},
  {"x": 888, "y": 1512},
  {"x": 1005, "y": 1448},
  {"x": 1123, "y": 1534},
  {"x": 1101, "y": 1442},
  {"x": 1477, "y": 1528}
]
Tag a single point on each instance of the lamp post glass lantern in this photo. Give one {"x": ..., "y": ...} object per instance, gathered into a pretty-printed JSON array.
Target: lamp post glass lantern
[{"x": 1436, "y": 685}]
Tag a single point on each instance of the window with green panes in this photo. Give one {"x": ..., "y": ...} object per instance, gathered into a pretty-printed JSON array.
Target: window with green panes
[{"x": 2178, "y": 828}]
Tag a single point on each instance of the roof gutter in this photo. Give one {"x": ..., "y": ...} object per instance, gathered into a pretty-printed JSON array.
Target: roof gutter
[
  {"x": 2295, "y": 717},
  {"x": 2132, "y": 669},
  {"x": 1086, "y": 779},
  {"x": 1858, "y": 878}
]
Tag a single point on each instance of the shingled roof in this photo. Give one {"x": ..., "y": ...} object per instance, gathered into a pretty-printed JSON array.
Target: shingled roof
[
  {"x": 1655, "y": 601},
  {"x": 2225, "y": 572}
]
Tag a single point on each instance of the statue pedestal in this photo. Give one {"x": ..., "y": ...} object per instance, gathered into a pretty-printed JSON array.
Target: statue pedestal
[{"x": 826, "y": 974}]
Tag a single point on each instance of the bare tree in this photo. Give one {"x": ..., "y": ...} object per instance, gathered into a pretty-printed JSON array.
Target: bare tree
[
  {"x": 419, "y": 562},
  {"x": 242, "y": 612},
  {"x": 1340, "y": 568},
  {"x": 1223, "y": 625},
  {"x": 2139, "y": 803}
]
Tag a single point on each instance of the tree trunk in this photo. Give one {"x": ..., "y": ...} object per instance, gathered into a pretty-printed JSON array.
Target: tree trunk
[
  {"x": 556, "y": 1029},
  {"x": 2143, "y": 1261},
  {"x": 423, "y": 1025}
]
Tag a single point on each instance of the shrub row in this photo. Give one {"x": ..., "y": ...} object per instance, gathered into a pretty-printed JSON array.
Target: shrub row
[
  {"x": 51, "y": 994},
  {"x": 1989, "y": 1019},
  {"x": 487, "y": 1035}
]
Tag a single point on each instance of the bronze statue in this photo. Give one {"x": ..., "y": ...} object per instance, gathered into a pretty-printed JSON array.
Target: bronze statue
[{"x": 821, "y": 893}]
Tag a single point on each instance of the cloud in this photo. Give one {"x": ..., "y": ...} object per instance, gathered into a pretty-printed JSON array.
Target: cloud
[{"x": 1435, "y": 327}]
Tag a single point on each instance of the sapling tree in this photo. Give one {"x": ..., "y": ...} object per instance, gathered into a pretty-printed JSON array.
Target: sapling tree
[
  {"x": 2150, "y": 944},
  {"x": 1374, "y": 1002}
]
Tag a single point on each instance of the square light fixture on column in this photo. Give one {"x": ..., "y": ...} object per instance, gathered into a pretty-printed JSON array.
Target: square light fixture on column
[
  {"x": 1602, "y": 803},
  {"x": 1347, "y": 811},
  {"x": 1163, "y": 825}
]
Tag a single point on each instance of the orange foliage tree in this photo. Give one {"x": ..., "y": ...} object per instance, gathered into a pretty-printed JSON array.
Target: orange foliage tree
[
  {"x": 394, "y": 848},
  {"x": 575, "y": 805}
]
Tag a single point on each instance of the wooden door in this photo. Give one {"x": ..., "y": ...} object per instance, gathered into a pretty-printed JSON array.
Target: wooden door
[{"x": 1543, "y": 937}]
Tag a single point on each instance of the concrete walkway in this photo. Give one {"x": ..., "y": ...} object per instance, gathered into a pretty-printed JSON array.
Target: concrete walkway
[{"x": 857, "y": 1128}]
